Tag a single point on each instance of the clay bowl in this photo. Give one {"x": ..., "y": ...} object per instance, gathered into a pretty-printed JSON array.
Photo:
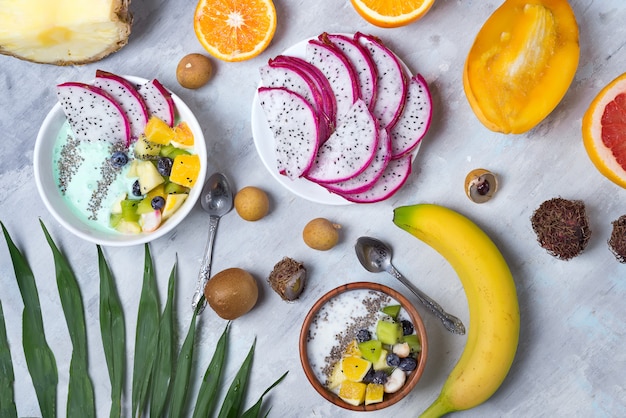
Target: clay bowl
[{"x": 333, "y": 321}]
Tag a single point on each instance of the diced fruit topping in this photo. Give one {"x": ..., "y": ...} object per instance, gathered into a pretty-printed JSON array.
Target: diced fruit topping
[
  {"x": 136, "y": 188},
  {"x": 146, "y": 150},
  {"x": 157, "y": 202},
  {"x": 352, "y": 392},
  {"x": 172, "y": 203},
  {"x": 355, "y": 368},
  {"x": 391, "y": 310},
  {"x": 119, "y": 159},
  {"x": 388, "y": 331},
  {"x": 370, "y": 350},
  {"x": 381, "y": 362},
  {"x": 158, "y": 132},
  {"x": 363, "y": 335},
  {"x": 374, "y": 393},
  {"x": 183, "y": 137},
  {"x": 149, "y": 177},
  {"x": 185, "y": 169},
  {"x": 164, "y": 166}
]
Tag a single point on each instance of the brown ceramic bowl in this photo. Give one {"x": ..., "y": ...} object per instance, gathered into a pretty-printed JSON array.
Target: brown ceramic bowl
[{"x": 333, "y": 321}]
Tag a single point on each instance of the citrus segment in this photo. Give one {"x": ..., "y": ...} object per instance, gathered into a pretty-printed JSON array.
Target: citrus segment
[
  {"x": 604, "y": 131},
  {"x": 355, "y": 368},
  {"x": 185, "y": 169},
  {"x": 391, "y": 13},
  {"x": 158, "y": 132},
  {"x": 183, "y": 136},
  {"x": 374, "y": 393},
  {"x": 235, "y": 30},
  {"x": 352, "y": 392}
]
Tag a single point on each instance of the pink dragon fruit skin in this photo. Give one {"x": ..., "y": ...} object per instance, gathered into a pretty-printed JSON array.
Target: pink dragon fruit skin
[
  {"x": 393, "y": 178},
  {"x": 295, "y": 126},
  {"x": 277, "y": 74},
  {"x": 372, "y": 173},
  {"x": 158, "y": 101},
  {"x": 392, "y": 82},
  {"x": 361, "y": 61},
  {"x": 415, "y": 119},
  {"x": 128, "y": 98},
  {"x": 93, "y": 114},
  {"x": 339, "y": 72},
  {"x": 349, "y": 150},
  {"x": 316, "y": 76}
]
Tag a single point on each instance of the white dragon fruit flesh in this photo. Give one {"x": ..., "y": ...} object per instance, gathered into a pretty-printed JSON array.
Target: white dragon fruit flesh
[
  {"x": 127, "y": 97},
  {"x": 277, "y": 74},
  {"x": 339, "y": 72},
  {"x": 349, "y": 150},
  {"x": 93, "y": 114},
  {"x": 392, "y": 83},
  {"x": 295, "y": 126},
  {"x": 316, "y": 76},
  {"x": 393, "y": 178},
  {"x": 158, "y": 101},
  {"x": 414, "y": 122},
  {"x": 359, "y": 57},
  {"x": 371, "y": 174}
]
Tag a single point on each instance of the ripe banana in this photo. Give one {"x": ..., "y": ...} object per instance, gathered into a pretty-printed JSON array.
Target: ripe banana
[{"x": 492, "y": 300}]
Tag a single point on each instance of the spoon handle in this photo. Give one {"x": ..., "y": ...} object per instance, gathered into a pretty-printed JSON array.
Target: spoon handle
[
  {"x": 451, "y": 322},
  {"x": 205, "y": 267}
]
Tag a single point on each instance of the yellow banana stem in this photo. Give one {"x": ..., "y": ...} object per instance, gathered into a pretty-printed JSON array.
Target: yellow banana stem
[{"x": 492, "y": 300}]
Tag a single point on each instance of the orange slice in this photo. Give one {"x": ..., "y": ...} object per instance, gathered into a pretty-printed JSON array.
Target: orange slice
[
  {"x": 604, "y": 131},
  {"x": 391, "y": 13},
  {"x": 183, "y": 136},
  {"x": 352, "y": 392},
  {"x": 235, "y": 30}
]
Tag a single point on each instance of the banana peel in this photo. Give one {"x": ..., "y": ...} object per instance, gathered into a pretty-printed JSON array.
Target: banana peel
[
  {"x": 494, "y": 322},
  {"x": 521, "y": 64}
]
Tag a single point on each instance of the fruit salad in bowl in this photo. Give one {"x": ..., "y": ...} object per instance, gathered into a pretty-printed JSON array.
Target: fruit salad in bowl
[
  {"x": 119, "y": 160},
  {"x": 363, "y": 346}
]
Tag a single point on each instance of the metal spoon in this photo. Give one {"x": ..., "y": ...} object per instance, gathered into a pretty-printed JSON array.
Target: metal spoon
[
  {"x": 375, "y": 256},
  {"x": 217, "y": 201}
]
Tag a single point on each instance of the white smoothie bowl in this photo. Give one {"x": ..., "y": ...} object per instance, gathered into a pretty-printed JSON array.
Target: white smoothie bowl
[{"x": 54, "y": 201}]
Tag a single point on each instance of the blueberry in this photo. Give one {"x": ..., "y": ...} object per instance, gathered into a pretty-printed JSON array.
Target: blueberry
[
  {"x": 408, "y": 364},
  {"x": 363, "y": 335},
  {"x": 380, "y": 377},
  {"x": 136, "y": 188},
  {"x": 393, "y": 360},
  {"x": 164, "y": 166},
  {"x": 407, "y": 327},
  {"x": 157, "y": 203},
  {"x": 119, "y": 159},
  {"x": 369, "y": 376}
]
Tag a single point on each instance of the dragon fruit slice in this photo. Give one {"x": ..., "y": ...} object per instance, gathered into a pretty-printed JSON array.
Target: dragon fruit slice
[
  {"x": 318, "y": 78},
  {"x": 392, "y": 83},
  {"x": 361, "y": 61},
  {"x": 277, "y": 74},
  {"x": 93, "y": 114},
  {"x": 349, "y": 150},
  {"x": 395, "y": 175},
  {"x": 415, "y": 119},
  {"x": 158, "y": 101},
  {"x": 295, "y": 126},
  {"x": 371, "y": 174},
  {"x": 128, "y": 98},
  {"x": 339, "y": 72}
]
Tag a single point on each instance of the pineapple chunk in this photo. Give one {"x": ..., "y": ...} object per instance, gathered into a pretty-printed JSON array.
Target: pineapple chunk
[{"x": 63, "y": 32}]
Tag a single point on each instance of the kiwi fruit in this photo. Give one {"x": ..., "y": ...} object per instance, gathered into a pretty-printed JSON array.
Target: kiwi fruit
[{"x": 231, "y": 293}]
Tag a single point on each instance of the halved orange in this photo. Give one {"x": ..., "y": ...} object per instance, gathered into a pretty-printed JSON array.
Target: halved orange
[
  {"x": 604, "y": 131},
  {"x": 391, "y": 13},
  {"x": 235, "y": 30}
]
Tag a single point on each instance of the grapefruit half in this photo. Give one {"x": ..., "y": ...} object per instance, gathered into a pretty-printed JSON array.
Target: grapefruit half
[{"x": 604, "y": 131}]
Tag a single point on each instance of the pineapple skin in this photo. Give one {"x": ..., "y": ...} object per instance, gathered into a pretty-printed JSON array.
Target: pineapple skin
[{"x": 63, "y": 32}]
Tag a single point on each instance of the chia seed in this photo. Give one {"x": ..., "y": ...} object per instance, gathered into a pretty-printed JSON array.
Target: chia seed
[{"x": 68, "y": 163}]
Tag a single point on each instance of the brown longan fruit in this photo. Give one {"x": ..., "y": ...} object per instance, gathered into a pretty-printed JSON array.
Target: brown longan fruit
[{"x": 194, "y": 71}]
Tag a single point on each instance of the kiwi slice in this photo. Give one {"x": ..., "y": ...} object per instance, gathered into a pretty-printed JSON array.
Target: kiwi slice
[
  {"x": 388, "y": 331},
  {"x": 370, "y": 350},
  {"x": 414, "y": 343},
  {"x": 392, "y": 310}
]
